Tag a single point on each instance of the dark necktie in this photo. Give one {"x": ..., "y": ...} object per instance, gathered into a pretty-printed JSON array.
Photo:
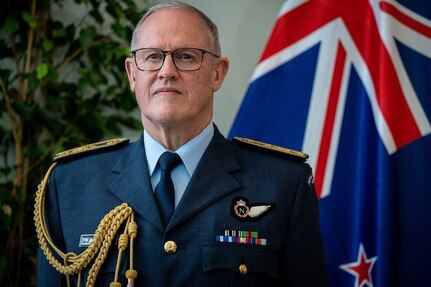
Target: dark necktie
[{"x": 165, "y": 191}]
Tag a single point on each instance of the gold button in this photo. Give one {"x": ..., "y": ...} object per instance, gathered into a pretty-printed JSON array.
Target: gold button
[
  {"x": 170, "y": 247},
  {"x": 243, "y": 269}
]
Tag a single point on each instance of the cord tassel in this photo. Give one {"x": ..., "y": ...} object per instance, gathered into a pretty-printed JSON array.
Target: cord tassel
[{"x": 132, "y": 274}]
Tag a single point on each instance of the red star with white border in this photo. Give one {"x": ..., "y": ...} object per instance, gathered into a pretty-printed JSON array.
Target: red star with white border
[{"x": 361, "y": 269}]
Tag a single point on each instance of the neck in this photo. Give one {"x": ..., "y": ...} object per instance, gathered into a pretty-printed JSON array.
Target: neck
[{"x": 173, "y": 137}]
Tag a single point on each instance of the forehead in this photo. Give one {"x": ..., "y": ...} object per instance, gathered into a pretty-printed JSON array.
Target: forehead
[{"x": 171, "y": 28}]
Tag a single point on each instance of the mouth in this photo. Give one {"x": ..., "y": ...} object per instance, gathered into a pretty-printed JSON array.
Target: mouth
[{"x": 167, "y": 90}]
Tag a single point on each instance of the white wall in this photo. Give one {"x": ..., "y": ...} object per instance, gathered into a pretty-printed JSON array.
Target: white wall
[{"x": 244, "y": 28}]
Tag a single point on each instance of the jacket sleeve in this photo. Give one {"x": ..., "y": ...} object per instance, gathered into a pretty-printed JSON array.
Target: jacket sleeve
[
  {"x": 303, "y": 262},
  {"x": 47, "y": 275}
]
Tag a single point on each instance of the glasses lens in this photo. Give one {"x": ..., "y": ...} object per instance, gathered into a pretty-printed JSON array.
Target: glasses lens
[
  {"x": 187, "y": 59},
  {"x": 149, "y": 59}
]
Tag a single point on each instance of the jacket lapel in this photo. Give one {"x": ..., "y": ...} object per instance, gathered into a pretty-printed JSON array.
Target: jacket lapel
[
  {"x": 131, "y": 183},
  {"x": 211, "y": 180}
]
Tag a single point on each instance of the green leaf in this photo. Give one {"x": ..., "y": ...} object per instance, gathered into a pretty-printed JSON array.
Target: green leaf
[
  {"x": 121, "y": 31},
  {"x": 96, "y": 15},
  {"x": 41, "y": 71},
  {"x": 126, "y": 121},
  {"x": 56, "y": 102},
  {"x": 59, "y": 32},
  {"x": 30, "y": 19},
  {"x": 33, "y": 152},
  {"x": 5, "y": 49},
  {"x": 83, "y": 85},
  {"x": 22, "y": 108},
  {"x": 57, "y": 150},
  {"x": 33, "y": 82},
  {"x": 114, "y": 9},
  {"x": 4, "y": 75},
  {"x": 70, "y": 31},
  {"x": 10, "y": 25},
  {"x": 48, "y": 119},
  {"x": 47, "y": 45},
  {"x": 87, "y": 36},
  {"x": 53, "y": 75},
  {"x": 122, "y": 52}
]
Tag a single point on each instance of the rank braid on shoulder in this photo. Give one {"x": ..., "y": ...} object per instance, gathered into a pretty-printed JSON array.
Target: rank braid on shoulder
[
  {"x": 89, "y": 149},
  {"x": 272, "y": 148}
]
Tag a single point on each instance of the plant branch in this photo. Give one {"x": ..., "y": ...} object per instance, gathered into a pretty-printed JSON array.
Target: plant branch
[
  {"x": 29, "y": 50},
  {"x": 12, "y": 119},
  {"x": 68, "y": 59},
  {"x": 50, "y": 150},
  {"x": 80, "y": 50},
  {"x": 15, "y": 54}
]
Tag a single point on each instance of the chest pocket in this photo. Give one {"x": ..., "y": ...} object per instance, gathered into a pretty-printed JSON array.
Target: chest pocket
[
  {"x": 249, "y": 265},
  {"x": 107, "y": 272}
]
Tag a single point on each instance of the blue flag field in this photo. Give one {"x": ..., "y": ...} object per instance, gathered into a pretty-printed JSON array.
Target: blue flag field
[{"x": 349, "y": 82}]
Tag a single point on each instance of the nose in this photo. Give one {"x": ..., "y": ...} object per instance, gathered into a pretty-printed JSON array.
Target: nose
[{"x": 168, "y": 69}]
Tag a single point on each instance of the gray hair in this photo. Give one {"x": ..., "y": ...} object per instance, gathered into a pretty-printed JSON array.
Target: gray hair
[{"x": 210, "y": 27}]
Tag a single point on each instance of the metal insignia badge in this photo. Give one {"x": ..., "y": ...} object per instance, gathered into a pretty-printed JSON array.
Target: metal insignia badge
[
  {"x": 86, "y": 240},
  {"x": 245, "y": 212}
]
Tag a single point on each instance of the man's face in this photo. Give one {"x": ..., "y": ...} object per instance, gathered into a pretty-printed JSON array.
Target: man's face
[{"x": 169, "y": 98}]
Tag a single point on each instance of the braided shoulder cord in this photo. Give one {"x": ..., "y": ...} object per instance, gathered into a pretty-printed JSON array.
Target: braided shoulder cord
[{"x": 104, "y": 234}]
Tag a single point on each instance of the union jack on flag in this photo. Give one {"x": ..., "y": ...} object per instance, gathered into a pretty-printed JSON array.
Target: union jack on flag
[{"x": 349, "y": 82}]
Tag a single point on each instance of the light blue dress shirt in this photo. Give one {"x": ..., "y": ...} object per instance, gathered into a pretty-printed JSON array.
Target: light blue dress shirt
[{"x": 190, "y": 154}]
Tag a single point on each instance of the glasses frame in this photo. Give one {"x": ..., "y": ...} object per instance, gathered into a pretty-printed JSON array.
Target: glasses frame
[{"x": 165, "y": 52}]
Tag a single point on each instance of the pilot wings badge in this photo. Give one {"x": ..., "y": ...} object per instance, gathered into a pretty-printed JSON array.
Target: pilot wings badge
[{"x": 245, "y": 212}]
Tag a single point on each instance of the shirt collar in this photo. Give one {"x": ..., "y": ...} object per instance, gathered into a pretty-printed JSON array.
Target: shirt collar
[{"x": 190, "y": 153}]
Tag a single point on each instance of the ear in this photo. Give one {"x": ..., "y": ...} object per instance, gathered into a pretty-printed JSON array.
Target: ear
[
  {"x": 220, "y": 71},
  {"x": 131, "y": 73}
]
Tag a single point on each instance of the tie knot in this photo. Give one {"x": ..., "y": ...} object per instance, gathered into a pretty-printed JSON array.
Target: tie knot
[{"x": 169, "y": 160}]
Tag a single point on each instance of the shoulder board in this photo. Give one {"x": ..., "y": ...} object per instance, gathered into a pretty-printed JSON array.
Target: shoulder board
[
  {"x": 89, "y": 148},
  {"x": 272, "y": 148}
]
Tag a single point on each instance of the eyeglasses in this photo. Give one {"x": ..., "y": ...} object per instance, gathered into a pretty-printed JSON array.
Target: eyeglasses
[{"x": 185, "y": 59}]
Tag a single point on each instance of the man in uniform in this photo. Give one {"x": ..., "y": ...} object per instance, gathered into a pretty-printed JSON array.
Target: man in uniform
[{"x": 208, "y": 211}]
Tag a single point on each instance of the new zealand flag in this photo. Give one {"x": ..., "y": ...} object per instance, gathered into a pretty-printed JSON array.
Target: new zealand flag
[{"x": 349, "y": 82}]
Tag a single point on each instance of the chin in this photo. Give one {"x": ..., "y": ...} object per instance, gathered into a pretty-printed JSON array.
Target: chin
[{"x": 168, "y": 117}]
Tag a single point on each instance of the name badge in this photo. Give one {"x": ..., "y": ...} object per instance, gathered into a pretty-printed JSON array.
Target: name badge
[{"x": 86, "y": 240}]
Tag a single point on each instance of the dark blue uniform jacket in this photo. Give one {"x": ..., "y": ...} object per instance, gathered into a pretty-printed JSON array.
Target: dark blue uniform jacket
[{"x": 82, "y": 190}]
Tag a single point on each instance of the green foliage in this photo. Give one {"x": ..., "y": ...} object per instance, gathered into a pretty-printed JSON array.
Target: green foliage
[{"x": 62, "y": 85}]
